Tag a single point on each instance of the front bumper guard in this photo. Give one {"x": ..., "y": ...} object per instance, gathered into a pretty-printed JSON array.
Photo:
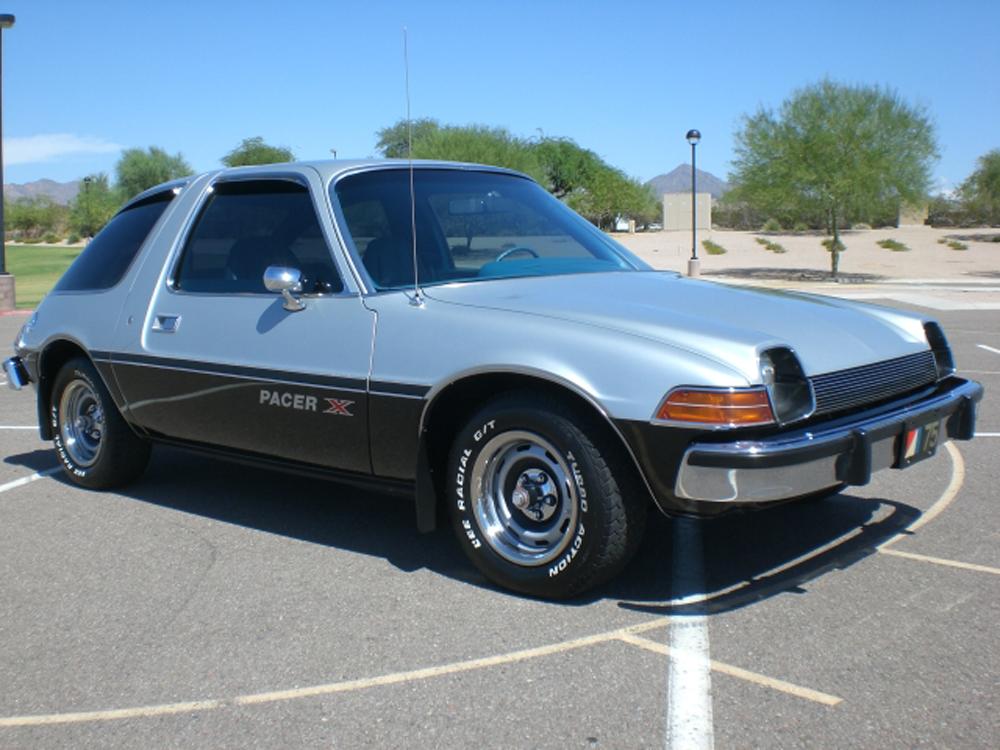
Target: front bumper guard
[
  {"x": 809, "y": 460},
  {"x": 16, "y": 372}
]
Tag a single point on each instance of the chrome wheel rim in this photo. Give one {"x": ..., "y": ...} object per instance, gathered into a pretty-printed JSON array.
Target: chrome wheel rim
[
  {"x": 81, "y": 423},
  {"x": 524, "y": 499}
]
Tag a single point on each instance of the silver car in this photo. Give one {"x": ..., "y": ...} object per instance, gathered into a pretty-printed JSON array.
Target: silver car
[{"x": 454, "y": 332}]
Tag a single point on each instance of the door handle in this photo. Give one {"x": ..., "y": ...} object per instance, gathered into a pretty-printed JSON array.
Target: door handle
[{"x": 166, "y": 323}]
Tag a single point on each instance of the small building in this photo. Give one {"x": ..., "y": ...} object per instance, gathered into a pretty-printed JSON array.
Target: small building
[{"x": 677, "y": 211}]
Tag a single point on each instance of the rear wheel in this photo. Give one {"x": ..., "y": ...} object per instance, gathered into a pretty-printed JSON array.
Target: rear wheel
[
  {"x": 541, "y": 502},
  {"x": 96, "y": 447}
]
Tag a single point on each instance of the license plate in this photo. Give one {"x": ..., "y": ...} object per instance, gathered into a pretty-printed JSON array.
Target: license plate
[{"x": 917, "y": 443}]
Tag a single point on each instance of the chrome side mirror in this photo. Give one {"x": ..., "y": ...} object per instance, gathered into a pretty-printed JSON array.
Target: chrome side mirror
[{"x": 286, "y": 281}]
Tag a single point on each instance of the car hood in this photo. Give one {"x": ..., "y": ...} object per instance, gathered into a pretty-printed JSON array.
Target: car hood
[{"x": 728, "y": 324}]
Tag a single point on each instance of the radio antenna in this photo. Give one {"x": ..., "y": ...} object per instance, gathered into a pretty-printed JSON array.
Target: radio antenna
[{"x": 417, "y": 299}]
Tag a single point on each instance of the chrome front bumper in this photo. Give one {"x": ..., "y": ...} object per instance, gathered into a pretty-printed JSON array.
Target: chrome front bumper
[
  {"x": 798, "y": 463},
  {"x": 17, "y": 374}
]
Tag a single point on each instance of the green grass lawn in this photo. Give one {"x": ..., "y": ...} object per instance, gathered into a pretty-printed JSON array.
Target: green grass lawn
[{"x": 36, "y": 269}]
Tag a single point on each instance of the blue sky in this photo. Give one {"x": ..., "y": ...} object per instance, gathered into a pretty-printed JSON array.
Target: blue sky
[{"x": 626, "y": 79}]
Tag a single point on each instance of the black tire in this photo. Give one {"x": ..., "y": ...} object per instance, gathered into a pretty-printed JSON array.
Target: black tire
[
  {"x": 95, "y": 446},
  {"x": 566, "y": 514}
]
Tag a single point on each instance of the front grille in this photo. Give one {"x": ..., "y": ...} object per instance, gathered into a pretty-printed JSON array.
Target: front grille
[{"x": 847, "y": 389}]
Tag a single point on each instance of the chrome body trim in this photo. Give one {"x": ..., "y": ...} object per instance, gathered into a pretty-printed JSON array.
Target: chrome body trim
[
  {"x": 812, "y": 459},
  {"x": 17, "y": 374}
]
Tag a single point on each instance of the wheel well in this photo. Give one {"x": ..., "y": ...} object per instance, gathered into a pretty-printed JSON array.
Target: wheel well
[
  {"x": 450, "y": 410},
  {"x": 51, "y": 360}
]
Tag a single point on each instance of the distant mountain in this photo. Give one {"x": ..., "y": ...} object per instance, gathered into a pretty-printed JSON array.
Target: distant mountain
[
  {"x": 679, "y": 181},
  {"x": 60, "y": 192}
]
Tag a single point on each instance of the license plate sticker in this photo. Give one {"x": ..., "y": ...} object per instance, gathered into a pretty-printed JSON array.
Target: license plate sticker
[{"x": 917, "y": 443}]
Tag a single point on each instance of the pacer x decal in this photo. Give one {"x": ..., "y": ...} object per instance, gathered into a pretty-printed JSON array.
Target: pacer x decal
[
  {"x": 303, "y": 402},
  {"x": 339, "y": 406}
]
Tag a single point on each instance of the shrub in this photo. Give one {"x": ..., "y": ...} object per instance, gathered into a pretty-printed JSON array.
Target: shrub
[
  {"x": 73, "y": 238},
  {"x": 771, "y": 225},
  {"x": 774, "y": 247},
  {"x": 713, "y": 248},
  {"x": 891, "y": 244},
  {"x": 956, "y": 245},
  {"x": 830, "y": 246},
  {"x": 800, "y": 227},
  {"x": 861, "y": 225},
  {"x": 942, "y": 240},
  {"x": 995, "y": 238},
  {"x": 51, "y": 238}
]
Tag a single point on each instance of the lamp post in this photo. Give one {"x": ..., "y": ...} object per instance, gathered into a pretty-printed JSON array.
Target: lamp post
[
  {"x": 334, "y": 152},
  {"x": 694, "y": 265},
  {"x": 6, "y": 279}
]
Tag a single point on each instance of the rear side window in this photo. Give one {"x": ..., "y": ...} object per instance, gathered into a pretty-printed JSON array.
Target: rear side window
[
  {"x": 246, "y": 227},
  {"x": 105, "y": 260}
]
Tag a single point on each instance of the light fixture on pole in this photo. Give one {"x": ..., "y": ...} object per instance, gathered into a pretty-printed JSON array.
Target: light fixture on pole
[
  {"x": 6, "y": 279},
  {"x": 694, "y": 265},
  {"x": 334, "y": 152}
]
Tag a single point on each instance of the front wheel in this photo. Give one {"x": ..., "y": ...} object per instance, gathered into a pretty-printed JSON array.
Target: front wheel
[
  {"x": 541, "y": 502},
  {"x": 96, "y": 447}
]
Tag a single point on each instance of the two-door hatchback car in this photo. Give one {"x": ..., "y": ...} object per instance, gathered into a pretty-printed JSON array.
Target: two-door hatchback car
[{"x": 455, "y": 332}]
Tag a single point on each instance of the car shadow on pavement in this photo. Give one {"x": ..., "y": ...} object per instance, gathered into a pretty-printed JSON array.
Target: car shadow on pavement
[
  {"x": 747, "y": 556},
  {"x": 750, "y": 556},
  {"x": 37, "y": 460}
]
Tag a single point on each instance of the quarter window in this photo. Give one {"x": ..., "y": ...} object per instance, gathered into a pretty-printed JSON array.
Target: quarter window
[
  {"x": 245, "y": 227},
  {"x": 108, "y": 256}
]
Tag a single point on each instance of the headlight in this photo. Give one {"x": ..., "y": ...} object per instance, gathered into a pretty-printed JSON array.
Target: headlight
[
  {"x": 716, "y": 407},
  {"x": 942, "y": 352},
  {"x": 790, "y": 390},
  {"x": 25, "y": 330}
]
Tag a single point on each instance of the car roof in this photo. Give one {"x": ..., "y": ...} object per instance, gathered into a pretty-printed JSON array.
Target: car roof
[{"x": 328, "y": 169}]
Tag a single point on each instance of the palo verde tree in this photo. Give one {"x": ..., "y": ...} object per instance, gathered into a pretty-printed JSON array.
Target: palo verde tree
[
  {"x": 139, "y": 170},
  {"x": 980, "y": 193},
  {"x": 831, "y": 149},
  {"x": 254, "y": 151}
]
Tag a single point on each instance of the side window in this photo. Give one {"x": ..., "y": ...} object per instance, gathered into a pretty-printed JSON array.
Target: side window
[
  {"x": 108, "y": 256},
  {"x": 245, "y": 227}
]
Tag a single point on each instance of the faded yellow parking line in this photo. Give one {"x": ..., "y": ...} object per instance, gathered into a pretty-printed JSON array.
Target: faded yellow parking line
[
  {"x": 743, "y": 674},
  {"x": 941, "y": 504},
  {"x": 395, "y": 678},
  {"x": 942, "y": 561}
]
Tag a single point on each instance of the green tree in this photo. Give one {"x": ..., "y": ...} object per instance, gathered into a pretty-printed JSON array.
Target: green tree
[
  {"x": 568, "y": 167},
  {"x": 93, "y": 206},
  {"x": 393, "y": 140},
  {"x": 254, "y": 151},
  {"x": 480, "y": 144},
  {"x": 980, "y": 193},
  {"x": 831, "y": 150},
  {"x": 33, "y": 218},
  {"x": 139, "y": 170}
]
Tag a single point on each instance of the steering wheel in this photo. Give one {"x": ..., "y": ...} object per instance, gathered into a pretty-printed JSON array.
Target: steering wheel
[{"x": 516, "y": 249}]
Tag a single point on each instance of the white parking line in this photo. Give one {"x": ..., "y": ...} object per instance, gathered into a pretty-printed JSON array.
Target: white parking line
[
  {"x": 988, "y": 348},
  {"x": 689, "y": 676},
  {"x": 988, "y": 434},
  {"x": 17, "y": 427},
  {"x": 27, "y": 480}
]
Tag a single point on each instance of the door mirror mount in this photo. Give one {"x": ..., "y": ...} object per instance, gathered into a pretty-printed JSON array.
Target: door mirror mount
[{"x": 286, "y": 281}]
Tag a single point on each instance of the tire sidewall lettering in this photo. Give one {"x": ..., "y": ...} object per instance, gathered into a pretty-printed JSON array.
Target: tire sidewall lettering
[
  {"x": 463, "y": 493},
  {"x": 57, "y": 439}
]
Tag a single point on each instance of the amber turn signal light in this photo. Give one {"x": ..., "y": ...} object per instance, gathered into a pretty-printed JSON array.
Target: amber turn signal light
[{"x": 727, "y": 408}]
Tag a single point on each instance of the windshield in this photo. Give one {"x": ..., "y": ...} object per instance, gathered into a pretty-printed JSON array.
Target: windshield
[{"x": 469, "y": 226}]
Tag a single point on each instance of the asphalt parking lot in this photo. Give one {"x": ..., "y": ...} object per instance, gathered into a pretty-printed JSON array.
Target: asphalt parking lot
[{"x": 215, "y": 605}]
